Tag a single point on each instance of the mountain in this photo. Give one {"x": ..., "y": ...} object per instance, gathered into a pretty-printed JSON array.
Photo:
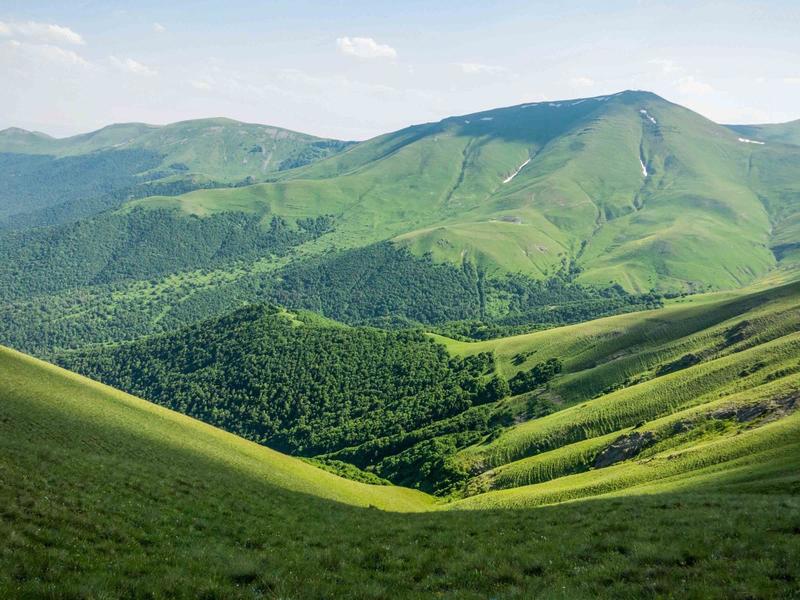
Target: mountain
[
  {"x": 48, "y": 180},
  {"x": 219, "y": 149},
  {"x": 106, "y": 494},
  {"x": 481, "y": 225},
  {"x": 630, "y": 187}
]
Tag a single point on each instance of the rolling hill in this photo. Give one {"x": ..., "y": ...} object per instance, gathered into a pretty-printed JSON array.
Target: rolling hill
[
  {"x": 48, "y": 180},
  {"x": 105, "y": 494},
  {"x": 219, "y": 149}
]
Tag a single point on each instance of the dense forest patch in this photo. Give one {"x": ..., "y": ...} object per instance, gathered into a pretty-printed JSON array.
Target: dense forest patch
[
  {"x": 139, "y": 244},
  {"x": 304, "y": 389}
]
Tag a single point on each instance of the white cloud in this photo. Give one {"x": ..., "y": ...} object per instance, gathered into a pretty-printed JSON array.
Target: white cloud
[
  {"x": 481, "y": 69},
  {"x": 691, "y": 85},
  {"x": 25, "y": 53},
  {"x": 581, "y": 82},
  {"x": 42, "y": 32},
  {"x": 132, "y": 66},
  {"x": 159, "y": 28},
  {"x": 364, "y": 47},
  {"x": 792, "y": 80}
]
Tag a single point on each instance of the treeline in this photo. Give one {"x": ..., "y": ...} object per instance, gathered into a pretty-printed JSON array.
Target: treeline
[
  {"x": 40, "y": 191},
  {"x": 307, "y": 389},
  {"x": 140, "y": 244}
]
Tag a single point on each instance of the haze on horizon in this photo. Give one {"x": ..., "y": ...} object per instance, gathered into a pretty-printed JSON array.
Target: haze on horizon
[{"x": 354, "y": 71}]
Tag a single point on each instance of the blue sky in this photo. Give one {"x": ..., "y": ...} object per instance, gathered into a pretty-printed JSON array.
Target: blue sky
[{"x": 356, "y": 69}]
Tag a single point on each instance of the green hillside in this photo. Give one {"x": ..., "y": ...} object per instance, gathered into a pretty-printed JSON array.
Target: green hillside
[
  {"x": 106, "y": 495},
  {"x": 783, "y": 133},
  {"x": 47, "y": 180},
  {"x": 631, "y": 187},
  {"x": 219, "y": 149}
]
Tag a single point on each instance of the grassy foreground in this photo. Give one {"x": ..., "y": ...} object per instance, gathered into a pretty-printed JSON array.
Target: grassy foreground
[{"x": 103, "y": 495}]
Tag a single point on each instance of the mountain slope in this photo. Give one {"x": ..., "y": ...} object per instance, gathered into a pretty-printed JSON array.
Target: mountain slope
[
  {"x": 105, "y": 495},
  {"x": 47, "y": 180},
  {"x": 219, "y": 149},
  {"x": 36, "y": 391},
  {"x": 631, "y": 187},
  {"x": 783, "y": 133}
]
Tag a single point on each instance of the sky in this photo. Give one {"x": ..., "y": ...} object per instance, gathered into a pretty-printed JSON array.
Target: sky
[{"x": 352, "y": 70}]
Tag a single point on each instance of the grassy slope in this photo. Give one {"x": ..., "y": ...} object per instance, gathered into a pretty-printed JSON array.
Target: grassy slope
[
  {"x": 220, "y": 150},
  {"x": 746, "y": 349},
  {"x": 783, "y": 133},
  {"x": 440, "y": 188},
  {"x": 105, "y": 495},
  {"x": 35, "y": 387}
]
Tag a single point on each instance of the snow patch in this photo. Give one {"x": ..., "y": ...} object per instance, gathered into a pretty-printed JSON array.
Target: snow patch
[
  {"x": 556, "y": 104},
  {"x": 515, "y": 173},
  {"x": 746, "y": 141},
  {"x": 648, "y": 116},
  {"x": 644, "y": 168},
  {"x": 578, "y": 102},
  {"x": 466, "y": 121},
  {"x": 487, "y": 118}
]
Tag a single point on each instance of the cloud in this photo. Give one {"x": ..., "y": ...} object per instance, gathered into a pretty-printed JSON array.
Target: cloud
[
  {"x": 581, "y": 82},
  {"x": 45, "y": 53},
  {"x": 693, "y": 86},
  {"x": 481, "y": 69},
  {"x": 792, "y": 80},
  {"x": 159, "y": 28},
  {"x": 42, "y": 32},
  {"x": 364, "y": 47},
  {"x": 132, "y": 66}
]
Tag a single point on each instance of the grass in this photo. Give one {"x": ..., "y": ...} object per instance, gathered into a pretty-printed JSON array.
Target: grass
[{"x": 104, "y": 495}]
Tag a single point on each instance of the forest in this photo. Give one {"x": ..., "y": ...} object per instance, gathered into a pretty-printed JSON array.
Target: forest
[{"x": 305, "y": 388}]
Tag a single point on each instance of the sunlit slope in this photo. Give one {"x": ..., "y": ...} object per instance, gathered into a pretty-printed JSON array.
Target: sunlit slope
[
  {"x": 632, "y": 187},
  {"x": 605, "y": 351},
  {"x": 760, "y": 458},
  {"x": 89, "y": 422},
  {"x": 689, "y": 387}
]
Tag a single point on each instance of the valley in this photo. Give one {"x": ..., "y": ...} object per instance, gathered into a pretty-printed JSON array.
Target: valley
[{"x": 551, "y": 347}]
